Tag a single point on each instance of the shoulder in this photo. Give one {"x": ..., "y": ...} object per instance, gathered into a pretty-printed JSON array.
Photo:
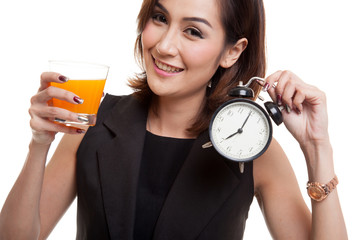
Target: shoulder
[
  {"x": 109, "y": 101},
  {"x": 272, "y": 168},
  {"x": 115, "y": 113},
  {"x": 113, "y": 103}
]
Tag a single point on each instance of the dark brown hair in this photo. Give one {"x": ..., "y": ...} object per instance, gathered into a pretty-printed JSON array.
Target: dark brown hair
[{"x": 240, "y": 19}]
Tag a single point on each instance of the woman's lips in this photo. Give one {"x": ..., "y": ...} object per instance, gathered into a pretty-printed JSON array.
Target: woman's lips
[{"x": 167, "y": 68}]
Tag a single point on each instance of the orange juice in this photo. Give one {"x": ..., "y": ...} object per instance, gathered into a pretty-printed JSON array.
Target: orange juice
[{"x": 89, "y": 90}]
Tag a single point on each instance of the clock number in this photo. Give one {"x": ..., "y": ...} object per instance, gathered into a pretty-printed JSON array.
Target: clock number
[
  {"x": 230, "y": 113},
  {"x": 262, "y": 131}
]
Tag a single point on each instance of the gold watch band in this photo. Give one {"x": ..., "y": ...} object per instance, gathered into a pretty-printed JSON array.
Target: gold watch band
[
  {"x": 332, "y": 184},
  {"x": 318, "y": 191}
]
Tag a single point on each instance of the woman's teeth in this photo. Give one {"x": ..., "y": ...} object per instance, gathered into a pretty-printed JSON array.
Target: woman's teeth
[{"x": 167, "y": 68}]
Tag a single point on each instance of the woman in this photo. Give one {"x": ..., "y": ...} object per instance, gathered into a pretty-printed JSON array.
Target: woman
[{"x": 141, "y": 172}]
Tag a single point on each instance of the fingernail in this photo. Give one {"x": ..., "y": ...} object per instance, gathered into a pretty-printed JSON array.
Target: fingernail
[
  {"x": 260, "y": 82},
  {"x": 266, "y": 87},
  {"x": 83, "y": 119},
  {"x": 298, "y": 111},
  {"x": 279, "y": 99},
  {"x": 78, "y": 100},
  {"x": 63, "y": 78},
  {"x": 81, "y": 131},
  {"x": 288, "y": 108}
]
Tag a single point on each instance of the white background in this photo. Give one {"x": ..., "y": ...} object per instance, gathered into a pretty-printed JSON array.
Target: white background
[{"x": 316, "y": 39}]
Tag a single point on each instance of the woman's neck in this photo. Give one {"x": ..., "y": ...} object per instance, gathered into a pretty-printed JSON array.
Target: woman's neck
[{"x": 172, "y": 117}]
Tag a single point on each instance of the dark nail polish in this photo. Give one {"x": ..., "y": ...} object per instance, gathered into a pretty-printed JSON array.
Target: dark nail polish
[
  {"x": 80, "y": 130},
  {"x": 266, "y": 87},
  {"x": 78, "y": 100},
  {"x": 279, "y": 99},
  {"x": 63, "y": 78}
]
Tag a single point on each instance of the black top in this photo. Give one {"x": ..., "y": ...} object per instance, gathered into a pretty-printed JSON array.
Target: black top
[
  {"x": 208, "y": 200},
  {"x": 161, "y": 161}
]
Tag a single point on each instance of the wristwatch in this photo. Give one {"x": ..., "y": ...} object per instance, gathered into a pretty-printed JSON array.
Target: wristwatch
[{"x": 318, "y": 191}]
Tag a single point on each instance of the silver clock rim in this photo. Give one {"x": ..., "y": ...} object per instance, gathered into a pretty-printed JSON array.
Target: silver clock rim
[{"x": 266, "y": 116}]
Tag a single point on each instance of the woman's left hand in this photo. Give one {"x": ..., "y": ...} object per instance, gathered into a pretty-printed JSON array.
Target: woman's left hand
[{"x": 308, "y": 119}]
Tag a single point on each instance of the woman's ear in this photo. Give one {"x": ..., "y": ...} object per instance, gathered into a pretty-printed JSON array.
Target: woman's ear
[{"x": 232, "y": 53}]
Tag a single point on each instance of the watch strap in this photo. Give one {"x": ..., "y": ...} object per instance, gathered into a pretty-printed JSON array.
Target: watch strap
[
  {"x": 327, "y": 188},
  {"x": 331, "y": 185}
]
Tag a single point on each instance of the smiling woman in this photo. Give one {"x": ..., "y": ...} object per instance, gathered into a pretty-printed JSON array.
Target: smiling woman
[
  {"x": 142, "y": 166},
  {"x": 192, "y": 46},
  {"x": 193, "y": 41}
]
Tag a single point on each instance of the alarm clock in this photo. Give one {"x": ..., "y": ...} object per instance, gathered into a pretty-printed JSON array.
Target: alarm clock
[{"x": 240, "y": 129}]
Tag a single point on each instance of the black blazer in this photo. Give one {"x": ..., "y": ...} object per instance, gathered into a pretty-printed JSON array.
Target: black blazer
[{"x": 209, "y": 199}]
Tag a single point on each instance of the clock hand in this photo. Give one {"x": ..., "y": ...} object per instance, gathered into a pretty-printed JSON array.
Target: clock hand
[
  {"x": 240, "y": 130},
  {"x": 233, "y": 134}
]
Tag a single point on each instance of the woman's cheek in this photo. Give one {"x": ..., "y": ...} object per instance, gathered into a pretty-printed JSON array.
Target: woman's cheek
[
  {"x": 148, "y": 36},
  {"x": 202, "y": 55}
]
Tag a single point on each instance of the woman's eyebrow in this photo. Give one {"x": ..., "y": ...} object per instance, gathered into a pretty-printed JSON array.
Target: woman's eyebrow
[
  {"x": 159, "y": 5},
  {"x": 188, "y": 19},
  {"x": 197, "y": 19}
]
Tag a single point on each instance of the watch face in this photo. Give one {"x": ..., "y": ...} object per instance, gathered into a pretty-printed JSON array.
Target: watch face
[
  {"x": 316, "y": 193},
  {"x": 240, "y": 130}
]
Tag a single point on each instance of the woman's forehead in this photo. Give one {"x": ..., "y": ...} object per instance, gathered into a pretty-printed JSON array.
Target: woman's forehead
[{"x": 207, "y": 9}]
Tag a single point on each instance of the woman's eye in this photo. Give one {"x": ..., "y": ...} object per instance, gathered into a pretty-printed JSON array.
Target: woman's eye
[
  {"x": 194, "y": 32},
  {"x": 159, "y": 18}
]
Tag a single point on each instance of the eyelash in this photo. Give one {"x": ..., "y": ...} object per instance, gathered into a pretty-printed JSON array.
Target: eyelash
[
  {"x": 194, "y": 32},
  {"x": 156, "y": 17},
  {"x": 159, "y": 17}
]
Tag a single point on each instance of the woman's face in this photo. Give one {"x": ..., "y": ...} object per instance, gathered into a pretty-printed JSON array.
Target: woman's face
[{"x": 182, "y": 47}]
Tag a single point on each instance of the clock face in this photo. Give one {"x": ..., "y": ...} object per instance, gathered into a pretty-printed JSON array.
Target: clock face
[{"x": 240, "y": 130}]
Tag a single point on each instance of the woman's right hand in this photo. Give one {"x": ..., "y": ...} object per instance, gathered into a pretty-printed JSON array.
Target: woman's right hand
[{"x": 42, "y": 115}]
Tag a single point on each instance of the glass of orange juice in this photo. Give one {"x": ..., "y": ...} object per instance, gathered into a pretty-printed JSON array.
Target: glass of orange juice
[{"x": 86, "y": 80}]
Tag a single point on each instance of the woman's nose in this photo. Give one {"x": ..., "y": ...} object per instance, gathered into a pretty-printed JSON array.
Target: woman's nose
[{"x": 168, "y": 44}]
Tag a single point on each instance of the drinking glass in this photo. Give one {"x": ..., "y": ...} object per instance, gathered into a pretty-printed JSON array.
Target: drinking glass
[{"x": 86, "y": 80}]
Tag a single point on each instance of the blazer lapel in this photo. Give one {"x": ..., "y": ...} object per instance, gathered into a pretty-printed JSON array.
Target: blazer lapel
[
  {"x": 119, "y": 160},
  {"x": 202, "y": 185}
]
